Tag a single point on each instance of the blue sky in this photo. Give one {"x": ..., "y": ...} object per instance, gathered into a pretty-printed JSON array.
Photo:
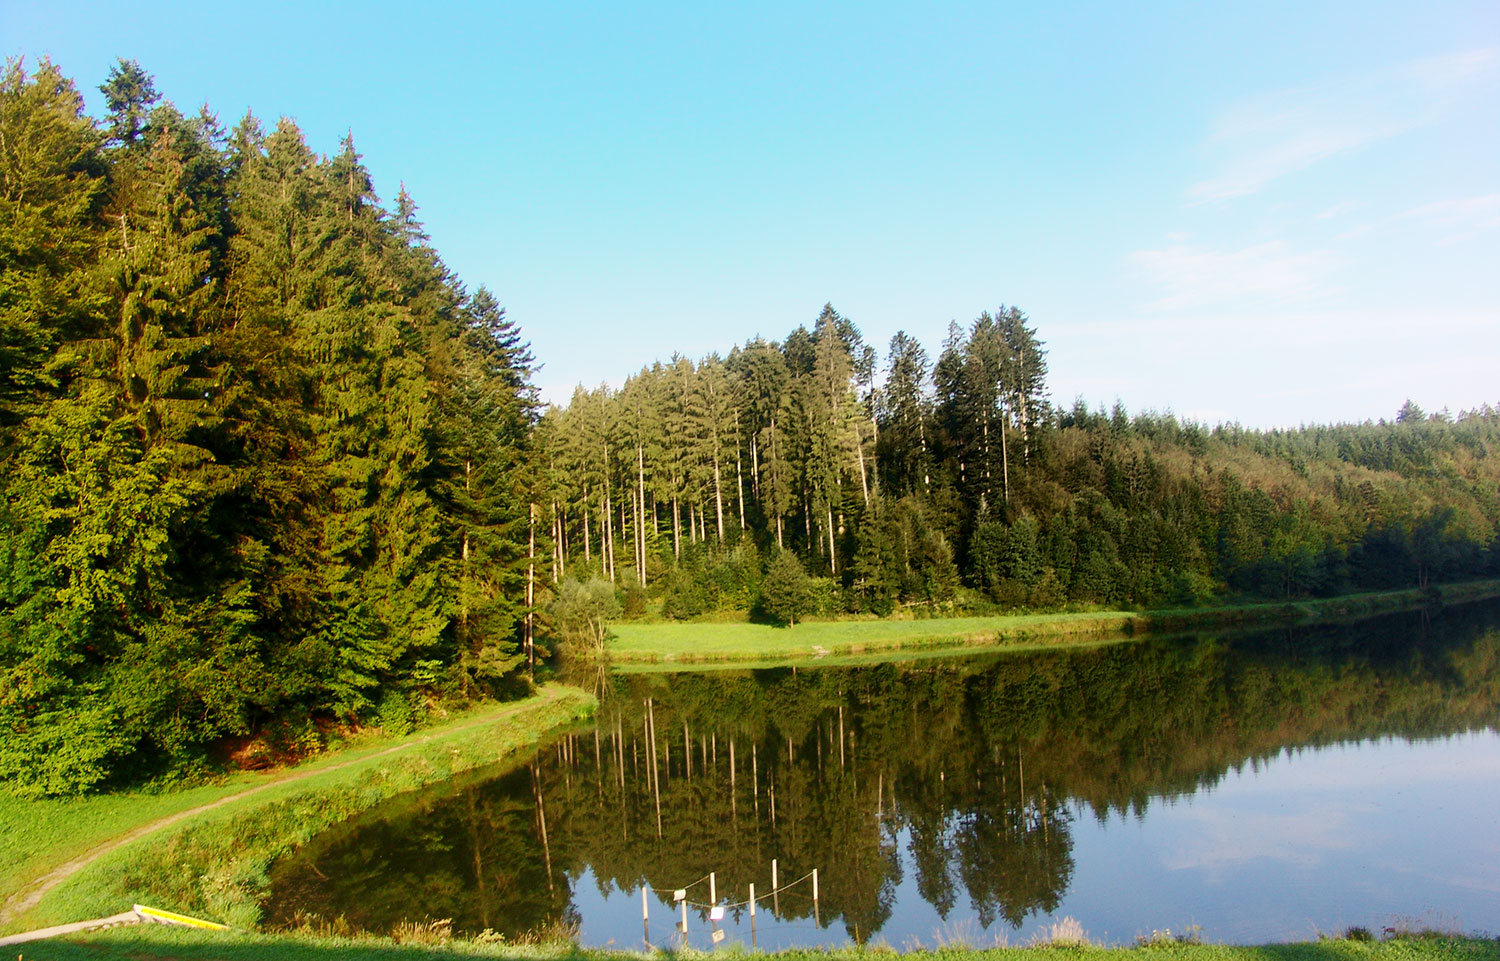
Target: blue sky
[{"x": 1274, "y": 213}]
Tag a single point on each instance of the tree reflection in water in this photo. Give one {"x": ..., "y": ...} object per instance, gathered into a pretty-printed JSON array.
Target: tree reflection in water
[{"x": 981, "y": 762}]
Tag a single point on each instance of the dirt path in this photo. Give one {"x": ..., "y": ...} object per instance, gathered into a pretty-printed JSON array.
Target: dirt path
[{"x": 31, "y": 895}]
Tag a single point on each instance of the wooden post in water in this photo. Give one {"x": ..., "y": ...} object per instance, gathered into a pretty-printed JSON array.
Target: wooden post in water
[
  {"x": 752, "y": 914},
  {"x": 775, "y": 891},
  {"x": 684, "y": 923},
  {"x": 645, "y": 916},
  {"x": 817, "y": 917},
  {"x": 713, "y": 892}
]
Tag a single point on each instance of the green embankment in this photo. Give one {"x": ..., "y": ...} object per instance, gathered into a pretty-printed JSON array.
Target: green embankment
[
  {"x": 213, "y": 863},
  {"x": 160, "y": 944},
  {"x": 744, "y": 644}
]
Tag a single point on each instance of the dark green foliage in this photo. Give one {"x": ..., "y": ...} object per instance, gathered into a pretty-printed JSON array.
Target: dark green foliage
[
  {"x": 261, "y": 452},
  {"x": 786, "y": 593}
]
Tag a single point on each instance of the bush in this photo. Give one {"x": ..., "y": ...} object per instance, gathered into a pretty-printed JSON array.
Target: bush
[
  {"x": 786, "y": 593},
  {"x": 583, "y": 612}
]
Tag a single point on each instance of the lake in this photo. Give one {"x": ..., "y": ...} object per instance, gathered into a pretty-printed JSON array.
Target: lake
[{"x": 1244, "y": 788}]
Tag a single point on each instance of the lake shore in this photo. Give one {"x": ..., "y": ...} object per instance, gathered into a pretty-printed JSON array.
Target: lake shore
[
  {"x": 639, "y": 645},
  {"x": 205, "y": 851},
  {"x": 162, "y": 944}
]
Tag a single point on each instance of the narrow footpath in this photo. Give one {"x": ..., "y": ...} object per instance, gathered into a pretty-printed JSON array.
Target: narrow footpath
[{"x": 31, "y": 895}]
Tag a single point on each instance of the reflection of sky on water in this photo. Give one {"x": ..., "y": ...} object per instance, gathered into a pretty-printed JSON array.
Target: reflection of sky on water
[
  {"x": 1314, "y": 841},
  {"x": 1310, "y": 841}
]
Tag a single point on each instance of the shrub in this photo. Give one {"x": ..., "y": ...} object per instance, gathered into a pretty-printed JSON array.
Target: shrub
[{"x": 786, "y": 593}]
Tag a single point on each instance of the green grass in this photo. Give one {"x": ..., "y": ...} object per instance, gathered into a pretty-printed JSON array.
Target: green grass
[
  {"x": 38, "y": 836},
  {"x": 214, "y": 864},
  {"x": 150, "y": 943},
  {"x": 742, "y": 641},
  {"x": 742, "y": 644}
]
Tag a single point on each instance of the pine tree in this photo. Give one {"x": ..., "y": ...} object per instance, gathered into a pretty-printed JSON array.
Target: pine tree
[{"x": 52, "y": 186}]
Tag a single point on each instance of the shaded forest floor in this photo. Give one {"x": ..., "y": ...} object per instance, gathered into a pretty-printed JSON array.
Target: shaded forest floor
[
  {"x": 63, "y": 860},
  {"x": 152, "y": 943},
  {"x": 636, "y": 645}
]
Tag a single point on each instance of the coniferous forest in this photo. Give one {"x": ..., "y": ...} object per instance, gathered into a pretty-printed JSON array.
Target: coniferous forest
[{"x": 269, "y": 466}]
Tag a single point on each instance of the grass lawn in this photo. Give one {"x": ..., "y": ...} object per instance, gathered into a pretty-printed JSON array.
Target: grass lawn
[
  {"x": 151, "y": 943},
  {"x": 213, "y": 863},
  {"x": 717, "y": 641}
]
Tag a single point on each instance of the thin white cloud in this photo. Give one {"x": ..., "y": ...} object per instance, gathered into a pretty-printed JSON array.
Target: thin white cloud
[
  {"x": 1459, "y": 218},
  {"x": 1463, "y": 216},
  {"x": 1193, "y": 276},
  {"x": 1270, "y": 136},
  {"x": 1337, "y": 210}
]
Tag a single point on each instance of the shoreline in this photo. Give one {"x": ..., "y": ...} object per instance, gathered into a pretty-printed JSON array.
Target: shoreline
[
  {"x": 164, "y": 944},
  {"x": 643, "y": 646}
]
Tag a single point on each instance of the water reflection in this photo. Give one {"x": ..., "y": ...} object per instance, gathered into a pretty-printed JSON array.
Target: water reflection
[{"x": 930, "y": 792}]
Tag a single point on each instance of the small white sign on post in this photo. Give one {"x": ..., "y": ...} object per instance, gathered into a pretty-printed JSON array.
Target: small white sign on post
[
  {"x": 719, "y": 936},
  {"x": 716, "y": 913},
  {"x": 680, "y": 894}
]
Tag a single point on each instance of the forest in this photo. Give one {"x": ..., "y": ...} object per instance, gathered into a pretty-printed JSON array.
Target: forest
[
  {"x": 269, "y": 467},
  {"x": 934, "y": 485}
]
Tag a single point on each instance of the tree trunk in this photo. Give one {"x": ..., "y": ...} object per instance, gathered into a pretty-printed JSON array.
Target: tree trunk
[
  {"x": 739, "y": 471},
  {"x": 530, "y": 585},
  {"x": 640, "y": 524},
  {"x": 754, "y": 467},
  {"x": 833, "y": 551},
  {"x": 859, "y": 446},
  {"x": 676, "y": 528},
  {"x": 718, "y": 497},
  {"x": 606, "y": 538},
  {"x": 588, "y": 537},
  {"x": 1004, "y": 463}
]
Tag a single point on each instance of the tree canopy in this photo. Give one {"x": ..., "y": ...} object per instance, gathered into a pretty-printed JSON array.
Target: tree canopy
[{"x": 267, "y": 466}]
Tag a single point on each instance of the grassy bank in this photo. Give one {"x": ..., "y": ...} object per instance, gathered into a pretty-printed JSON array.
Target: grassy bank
[
  {"x": 149, "y": 943},
  {"x": 742, "y": 643},
  {"x": 213, "y": 863}
]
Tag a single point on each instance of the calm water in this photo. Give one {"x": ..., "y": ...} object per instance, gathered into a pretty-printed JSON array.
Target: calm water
[{"x": 1258, "y": 787}]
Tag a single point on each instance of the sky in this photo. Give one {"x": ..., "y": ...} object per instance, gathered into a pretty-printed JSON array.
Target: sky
[{"x": 1273, "y": 213}]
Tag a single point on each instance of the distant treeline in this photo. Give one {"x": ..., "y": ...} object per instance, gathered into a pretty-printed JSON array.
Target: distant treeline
[
  {"x": 266, "y": 464},
  {"x": 934, "y": 484}
]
